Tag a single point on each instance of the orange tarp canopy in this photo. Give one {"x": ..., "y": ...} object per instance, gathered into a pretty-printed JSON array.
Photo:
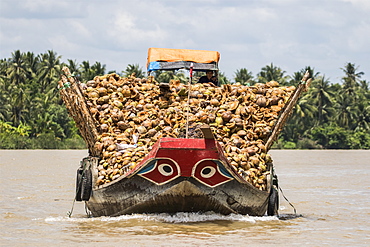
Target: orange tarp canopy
[{"x": 175, "y": 55}]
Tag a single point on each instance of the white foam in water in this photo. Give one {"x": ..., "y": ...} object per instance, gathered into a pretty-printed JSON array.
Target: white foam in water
[
  {"x": 175, "y": 218},
  {"x": 196, "y": 217}
]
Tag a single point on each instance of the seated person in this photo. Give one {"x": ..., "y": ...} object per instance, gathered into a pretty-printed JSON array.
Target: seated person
[{"x": 209, "y": 77}]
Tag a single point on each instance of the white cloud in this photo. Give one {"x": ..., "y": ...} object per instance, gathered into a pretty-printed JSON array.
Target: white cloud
[
  {"x": 41, "y": 9},
  {"x": 128, "y": 35},
  {"x": 359, "y": 38},
  {"x": 292, "y": 34},
  {"x": 362, "y": 4}
]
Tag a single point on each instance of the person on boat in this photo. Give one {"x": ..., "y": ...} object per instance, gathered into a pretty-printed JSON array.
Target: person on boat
[{"x": 209, "y": 77}]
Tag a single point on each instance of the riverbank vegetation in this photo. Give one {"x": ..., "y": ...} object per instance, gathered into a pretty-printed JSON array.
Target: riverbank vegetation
[{"x": 330, "y": 115}]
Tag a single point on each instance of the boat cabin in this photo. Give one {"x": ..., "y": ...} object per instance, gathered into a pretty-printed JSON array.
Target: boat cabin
[{"x": 175, "y": 59}]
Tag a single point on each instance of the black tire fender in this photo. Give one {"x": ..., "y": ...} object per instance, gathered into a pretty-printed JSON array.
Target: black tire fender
[
  {"x": 79, "y": 184},
  {"x": 86, "y": 185},
  {"x": 273, "y": 203}
]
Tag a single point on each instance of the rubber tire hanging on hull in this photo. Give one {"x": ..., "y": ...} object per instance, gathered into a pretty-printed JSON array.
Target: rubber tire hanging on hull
[
  {"x": 273, "y": 203},
  {"x": 78, "y": 184},
  {"x": 83, "y": 184}
]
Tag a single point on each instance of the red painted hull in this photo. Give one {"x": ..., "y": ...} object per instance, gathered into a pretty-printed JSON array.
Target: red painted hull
[{"x": 178, "y": 175}]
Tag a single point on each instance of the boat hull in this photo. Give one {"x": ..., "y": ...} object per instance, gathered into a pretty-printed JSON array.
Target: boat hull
[
  {"x": 138, "y": 195},
  {"x": 178, "y": 175}
]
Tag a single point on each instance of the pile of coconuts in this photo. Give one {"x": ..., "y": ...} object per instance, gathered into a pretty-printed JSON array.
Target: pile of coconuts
[{"x": 131, "y": 114}]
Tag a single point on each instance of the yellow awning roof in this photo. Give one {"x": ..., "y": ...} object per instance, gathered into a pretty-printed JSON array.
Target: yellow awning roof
[{"x": 175, "y": 55}]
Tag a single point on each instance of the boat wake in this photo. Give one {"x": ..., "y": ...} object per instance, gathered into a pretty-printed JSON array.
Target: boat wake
[
  {"x": 289, "y": 216},
  {"x": 180, "y": 217}
]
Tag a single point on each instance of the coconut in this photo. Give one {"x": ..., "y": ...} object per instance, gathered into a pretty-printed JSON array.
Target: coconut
[{"x": 137, "y": 111}]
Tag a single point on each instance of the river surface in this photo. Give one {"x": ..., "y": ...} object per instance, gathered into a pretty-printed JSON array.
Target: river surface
[{"x": 330, "y": 191}]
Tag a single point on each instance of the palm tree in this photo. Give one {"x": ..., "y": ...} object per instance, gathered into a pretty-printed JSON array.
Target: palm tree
[
  {"x": 323, "y": 96},
  {"x": 32, "y": 63},
  {"x": 364, "y": 85},
  {"x": 180, "y": 75},
  {"x": 164, "y": 76},
  {"x": 351, "y": 80},
  {"x": 167, "y": 76},
  {"x": 244, "y": 77},
  {"x": 18, "y": 103},
  {"x": 301, "y": 119},
  {"x": 89, "y": 72},
  {"x": 5, "y": 107},
  {"x": 86, "y": 72},
  {"x": 362, "y": 117},
  {"x": 73, "y": 67},
  {"x": 344, "y": 111},
  {"x": 49, "y": 71},
  {"x": 222, "y": 79},
  {"x": 135, "y": 70},
  {"x": 272, "y": 73},
  {"x": 297, "y": 76},
  {"x": 305, "y": 109},
  {"x": 17, "y": 70},
  {"x": 98, "y": 69}
]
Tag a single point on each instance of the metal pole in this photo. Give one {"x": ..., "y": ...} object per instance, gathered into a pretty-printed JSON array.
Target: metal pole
[{"x": 188, "y": 108}]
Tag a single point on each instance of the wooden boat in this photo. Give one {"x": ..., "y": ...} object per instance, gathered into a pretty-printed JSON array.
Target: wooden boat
[{"x": 179, "y": 174}]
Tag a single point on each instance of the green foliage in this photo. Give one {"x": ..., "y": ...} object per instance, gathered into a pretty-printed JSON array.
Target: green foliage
[
  {"x": 135, "y": 70},
  {"x": 87, "y": 72},
  {"x": 306, "y": 143},
  {"x": 167, "y": 76},
  {"x": 359, "y": 140},
  {"x": 331, "y": 115},
  {"x": 331, "y": 136},
  {"x": 14, "y": 141},
  {"x": 32, "y": 115},
  {"x": 272, "y": 73},
  {"x": 289, "y": 145},
  {"x": 222, "y": 79},
  {"x": 244, "y": 77}
]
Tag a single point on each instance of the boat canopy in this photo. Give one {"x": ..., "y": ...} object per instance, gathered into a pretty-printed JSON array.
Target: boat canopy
[{"x": 172, "y": 59}]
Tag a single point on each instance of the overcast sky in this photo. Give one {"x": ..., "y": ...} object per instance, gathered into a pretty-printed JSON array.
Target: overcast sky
[{"x": 291, "y": 34}]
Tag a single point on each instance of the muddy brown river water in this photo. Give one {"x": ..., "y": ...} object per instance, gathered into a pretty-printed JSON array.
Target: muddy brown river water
[{"x": 330, "y": 190}]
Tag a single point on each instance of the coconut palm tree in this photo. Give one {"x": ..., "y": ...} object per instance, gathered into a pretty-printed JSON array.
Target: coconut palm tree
[
  {"x": 73, "y": 67},
  {"x": 344, "y": 111},
  {"x": 88, "y": 72},
  {"x": 351, "y": 80},
  {"x": 50, "y": 69},
  {"x": 296, "y": 78},
  {"x": 98, "y": 69},
  {"x": 4, "y": 90},
  {"x": 364, "y": 85},
  {"x": 17, "y": 70},
  {"x": 272, "y": 73},
  {"x": 5, "y": 107},
  {"x": 362, "y": 117},
  {"x": 222, "y": 79},
  {"x": 18, "y": 102},
  {"x": 305, "y": 110},
  {"x": 244, "y": 77},
  {"x": 323, "y": 96},
  {"x": 32, "y": 63},
  {"x": 135, "y": 70},
  {"x": 301, "y": 119}
]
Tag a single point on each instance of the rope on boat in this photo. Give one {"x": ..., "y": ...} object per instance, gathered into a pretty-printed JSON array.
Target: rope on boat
[
  {"x": 69, "y": 213},
  {"x": 286, "y": 199},
  {"x": 79, "y": 187},
  {"x": 87, "y": 211}
]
